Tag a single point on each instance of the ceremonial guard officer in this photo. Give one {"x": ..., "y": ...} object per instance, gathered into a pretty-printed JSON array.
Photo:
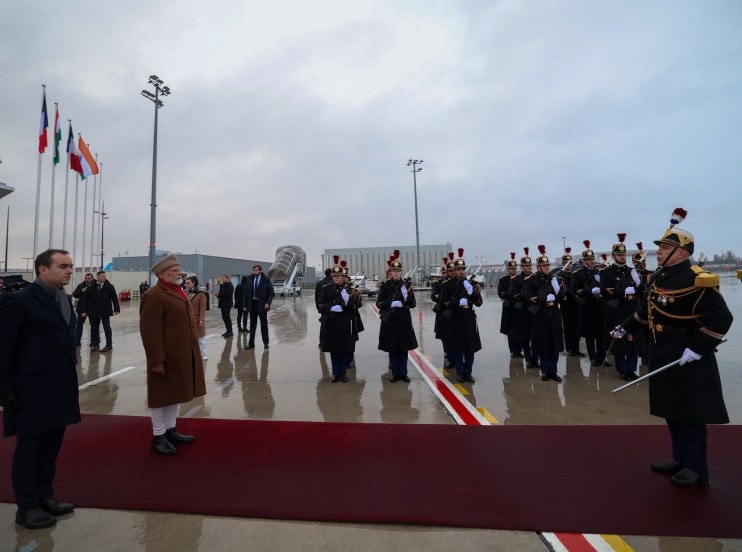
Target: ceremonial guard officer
[
  {"x": 459, "y": 296},
  {"x": 396, "y": 334},
  {"x": 618, "y": 285},
  {"x": 543, "y": 293},
  {"x": 506, "y": 318},
  {"x": 568, "y": 307},
  {"x": 687, "y": 318},
  {"x": 435, "y": 296},
  {"x": 590, "y": 323},
  {"x": 520, "y": 328},
  {"x": 338, "y": 309},
  {"x": 641, "y": 336}
]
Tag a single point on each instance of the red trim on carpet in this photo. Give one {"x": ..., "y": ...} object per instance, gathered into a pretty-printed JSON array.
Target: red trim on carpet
[{"x": 570, "y": 479}]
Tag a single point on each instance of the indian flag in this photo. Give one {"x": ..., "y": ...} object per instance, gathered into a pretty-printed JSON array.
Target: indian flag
[{"x": 89, "y": 166}]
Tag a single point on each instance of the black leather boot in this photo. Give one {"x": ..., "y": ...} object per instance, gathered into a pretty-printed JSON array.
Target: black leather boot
[{"x": 161, "y": 445}]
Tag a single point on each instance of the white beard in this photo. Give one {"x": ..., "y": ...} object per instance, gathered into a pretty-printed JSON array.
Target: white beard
[{"x": 178, "y": 281}]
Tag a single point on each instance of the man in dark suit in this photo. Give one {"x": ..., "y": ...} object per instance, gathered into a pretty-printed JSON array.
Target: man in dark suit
[
  {"x": 78, "y": 294},
  {"x": 257, "y": 301},
  {"x": 225, "y": 296},
  {"x": 99, "y": 302},
  {"x": 38, "y": 384}
]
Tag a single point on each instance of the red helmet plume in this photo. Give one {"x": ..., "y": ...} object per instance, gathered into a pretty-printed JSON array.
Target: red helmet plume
[
  {"x": 542, "y": 249},
  {"x": 586, "y": 243},
  {"x": 525, "y": 250},
  {"x": 621, "y": 237},
  {"x": 461, "y": 252},
  {"x": 639, "y": 246},
  {"x": 512, "y": 255}
]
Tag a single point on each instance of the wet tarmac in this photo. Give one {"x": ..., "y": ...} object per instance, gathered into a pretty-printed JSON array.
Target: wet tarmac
[{"x": 291, "y": 382}]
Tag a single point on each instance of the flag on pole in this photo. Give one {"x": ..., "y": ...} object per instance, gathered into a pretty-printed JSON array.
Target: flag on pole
[
  {"x": 57, "y": 136},
  {"x": 43, "y": 125},
  {"x": 74, "y": 157},
  {"x": 89, "y": 166}
]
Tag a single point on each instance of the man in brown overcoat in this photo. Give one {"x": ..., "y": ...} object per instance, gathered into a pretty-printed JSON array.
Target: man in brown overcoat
[{"x": 175, "y": 372}]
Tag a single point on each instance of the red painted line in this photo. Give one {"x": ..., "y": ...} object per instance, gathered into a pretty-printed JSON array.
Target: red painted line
[
  {"x": 451, "y": 398},
  {"x": 575, "y": 542}
]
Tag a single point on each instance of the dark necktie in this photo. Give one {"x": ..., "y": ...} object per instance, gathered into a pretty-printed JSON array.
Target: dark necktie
[{"x": 255, "y": 288}]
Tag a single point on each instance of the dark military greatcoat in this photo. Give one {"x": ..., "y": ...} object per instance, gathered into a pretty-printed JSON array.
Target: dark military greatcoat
[
  {"x": 684, "y": 308},
  {"x": 590, "y": 323},
  {"x": 340, "y": 331},
  {"x": 618, "y": 306},
  {"x": 396, "y": 333},
  {"x": 546, "y": 320},
  {"x": 506, "y": 318},
  {"x": 460, "y": 331}
]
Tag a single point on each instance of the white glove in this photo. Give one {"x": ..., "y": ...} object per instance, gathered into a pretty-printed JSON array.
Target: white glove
[
  {"x": 336, "y": 308},
  {"x": 597, "y": 277},
  {"x": 630, "y": 291},
  {"x": 689, "y": 356},
  {"x": 555, "y": 284},
  {"x": 469, "y": 288},
  {"x": 618, "y": 332},
  {"x": 404, "y": 292},
  {"x": 596, "y": 291},
  {"x": 550, "y": 297},
  {"x": 344, "y": 294},
  {"x": 635, "y": 276},
  {"x": 396, "y": 304},
  {"x": 463, "y": 302}
]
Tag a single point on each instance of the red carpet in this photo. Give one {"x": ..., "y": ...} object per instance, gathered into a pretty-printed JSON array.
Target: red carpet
[{"x": 583, "y": 479}]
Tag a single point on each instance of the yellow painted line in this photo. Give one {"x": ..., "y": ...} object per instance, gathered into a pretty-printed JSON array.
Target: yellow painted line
[
  {"x": 461, "y": 389},
  {"x": 617, "y": 543},
  {"x": 444, "y": 372},
  {"x": 429, "y": 357},
  {"x": 487, "y": 415}
]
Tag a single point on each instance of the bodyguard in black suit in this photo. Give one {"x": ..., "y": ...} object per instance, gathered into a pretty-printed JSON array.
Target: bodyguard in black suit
[
  {"x": 99, "y": 303},
  {"x": 38, "y": 384},
  {"x": 258, "y": 298},
  {"x": 78, "y": 294},
  {"x": 225, "y": 295}
]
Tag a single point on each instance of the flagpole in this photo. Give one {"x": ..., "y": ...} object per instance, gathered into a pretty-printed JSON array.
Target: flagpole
[
  {"x": 92, "y": 216},
  {"x": 55, "y": 160},
  {"x": 101, "y": 213},
  {"x": 66, "y": 181},
  {"x": 7, "y": 233},
  {"x": 84, "y": 217},
  {"x": 38, "y": 182},
  {"x": 74, "y": 231}
]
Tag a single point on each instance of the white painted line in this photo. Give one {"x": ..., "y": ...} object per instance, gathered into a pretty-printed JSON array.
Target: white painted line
[{"x": 104, "y": 378}]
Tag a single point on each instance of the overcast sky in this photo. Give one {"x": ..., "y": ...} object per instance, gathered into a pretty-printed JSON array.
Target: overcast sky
[{"x": 292, "y": 122}]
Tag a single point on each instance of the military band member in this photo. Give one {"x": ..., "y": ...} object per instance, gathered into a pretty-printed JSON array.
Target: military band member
[
  {"x": 618, "y": 286},
  {"x": 440, "y": 321},
  {"x": 590, "y": 323},
  {"x": 338, "y": 308},
  {"x": 459, "y": 296},
  {"x": 641, "y": 336},
  {"x": 396, "y": 334},
  {"x": 687, "y": 318},
  {"x": 543, "y": 293},
  {"x": 520, "y": 328},
  {"x": 506, "y": 318},
  {"x": 435, "y": 297},
  {"x": 568, "y": 307}
]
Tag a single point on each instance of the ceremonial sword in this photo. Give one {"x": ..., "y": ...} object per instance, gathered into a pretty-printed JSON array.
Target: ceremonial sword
[{"x": 653, "y": 373}]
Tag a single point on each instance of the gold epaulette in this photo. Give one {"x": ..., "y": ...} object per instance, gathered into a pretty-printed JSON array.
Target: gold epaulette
[{"x": 705, "y": 279}]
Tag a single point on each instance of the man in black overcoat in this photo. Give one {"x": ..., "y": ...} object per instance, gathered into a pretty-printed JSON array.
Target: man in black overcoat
[
  {"x": 99, "y": 302},
  {"x": 225, "y": 298},
  {"x": 38, "y": 384},
  {"x": 78, "y": 294}
]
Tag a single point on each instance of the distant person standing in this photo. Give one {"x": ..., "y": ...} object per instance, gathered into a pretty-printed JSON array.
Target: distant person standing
[
  {"x": 38, "y": 384},
  {"x": 78, "y": 294},
  {"x": 175, "y": 372},
  {"x": 198, "y": 297},
  {"x": 225, "y": 296},
  {"x": 239, "y": 298},
  {"x": 100, "y": 302},
  {"x": 2, "y": 286},
  {"x": 257, "y": 300}
]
